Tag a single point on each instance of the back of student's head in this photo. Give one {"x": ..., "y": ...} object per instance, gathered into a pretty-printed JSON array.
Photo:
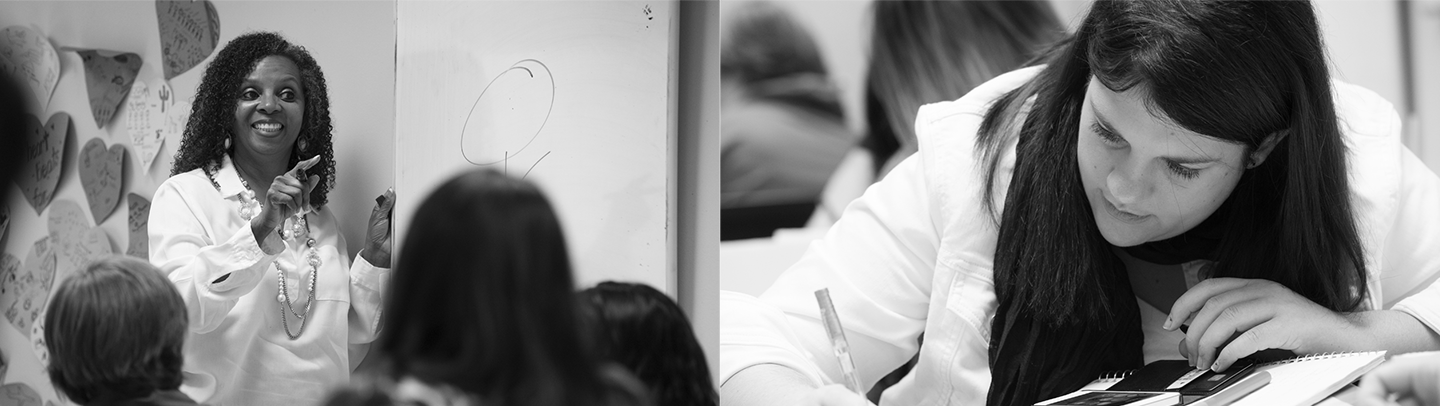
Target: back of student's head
[
  {"x": 924, "y": 52},
  {"x": 115, "y": 331},
  {"x": 645, "y": 331},
  {"x": 772, "y": 57},
  {"x": 482, "y": 298}
]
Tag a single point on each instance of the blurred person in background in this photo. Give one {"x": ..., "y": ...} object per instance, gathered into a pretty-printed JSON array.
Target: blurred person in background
[
  {"x": 782, "y": 129},
  {"x": 642, "y": 329},
  {"x": 924, "y": 52}
]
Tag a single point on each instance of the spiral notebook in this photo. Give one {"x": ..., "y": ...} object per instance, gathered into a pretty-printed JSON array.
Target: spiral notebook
[{"x": 1299, "y": 381}]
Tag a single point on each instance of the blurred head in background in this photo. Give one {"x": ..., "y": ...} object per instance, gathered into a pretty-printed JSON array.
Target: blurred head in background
[
  {"x": 930, "y": 51},
  {"x": 482, "y": 301},
  {"x": 14, "y": 105},
  {"x": 647, "y": 332},
  {"x": 782, "y": 130},
  {"x": 115, "y": 333}
]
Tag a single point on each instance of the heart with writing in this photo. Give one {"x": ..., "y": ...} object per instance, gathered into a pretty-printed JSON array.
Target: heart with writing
[
  {"x": 100, "y": 175},
  {"x": 19, "y": 394},
  {"x": 189, "y": 31},
  {"x": 139, "y": 226},
  {"x": 72, "y": 238},
  {"x": 152, "y": 115},
  {"x": 25, "y": 54},
  {"x": 24, "y": 287},
  {"x": 37, "y": 340},
  {"x": 45, "y": 149},
  {"x": 107, "y": 78}
]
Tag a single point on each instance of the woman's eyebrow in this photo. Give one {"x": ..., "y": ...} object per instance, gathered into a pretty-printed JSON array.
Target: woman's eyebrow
[{"x": 1100, "y": 119}]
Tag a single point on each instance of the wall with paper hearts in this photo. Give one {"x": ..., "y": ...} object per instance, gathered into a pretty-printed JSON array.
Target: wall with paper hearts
[{"x": 106, "y": 135}]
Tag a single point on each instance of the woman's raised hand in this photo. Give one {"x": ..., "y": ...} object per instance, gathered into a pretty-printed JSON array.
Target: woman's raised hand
[
  {"x": 1231, "y": 318},
  {"x": 377, "y": 236},
  {"x": 289, "y": 194}
]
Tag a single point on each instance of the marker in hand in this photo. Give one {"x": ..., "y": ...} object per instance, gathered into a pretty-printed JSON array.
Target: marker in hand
[
  {"x": 308, "y": 182},
  {"x": 831, "y": 320}
]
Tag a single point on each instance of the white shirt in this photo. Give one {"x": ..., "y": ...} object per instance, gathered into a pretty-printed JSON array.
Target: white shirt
[
  {"x": 237, "y": 347},
  {"x": 915, "y": 254}
]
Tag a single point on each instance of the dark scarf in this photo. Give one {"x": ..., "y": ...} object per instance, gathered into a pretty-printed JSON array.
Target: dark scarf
[{"x": 1031, "y": 361}]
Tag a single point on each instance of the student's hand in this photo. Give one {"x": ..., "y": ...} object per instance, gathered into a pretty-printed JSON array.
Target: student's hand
[
  {"x": 377, "y": 236},
  {"x": 1413, "y": 379},
  {"x": 1231, "y": 318},
  {"x": 287, "y": 196}
]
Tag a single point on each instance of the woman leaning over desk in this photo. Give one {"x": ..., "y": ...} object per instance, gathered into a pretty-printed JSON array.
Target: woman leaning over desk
[
  {"x": 242, "y": 229},
  {"x": 1193, "y": 155}
]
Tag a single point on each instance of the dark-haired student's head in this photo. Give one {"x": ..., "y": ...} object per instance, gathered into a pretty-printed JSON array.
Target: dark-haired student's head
[
  {"x": 115, "y": 331},
  {"x": 483, "y": 298},
  {"x": 1183, "y": 130},
  {"x": 647, "y": 332}
]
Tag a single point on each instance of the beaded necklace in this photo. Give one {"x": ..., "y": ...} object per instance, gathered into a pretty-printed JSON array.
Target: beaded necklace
[{"x": 298, "y": 227}]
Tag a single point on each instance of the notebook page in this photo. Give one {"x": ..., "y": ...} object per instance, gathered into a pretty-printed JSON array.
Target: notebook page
[{"x": 1307, "y": 380}]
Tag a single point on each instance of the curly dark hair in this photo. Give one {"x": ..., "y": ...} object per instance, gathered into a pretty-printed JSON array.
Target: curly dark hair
[{"x": 213, "y": 113}]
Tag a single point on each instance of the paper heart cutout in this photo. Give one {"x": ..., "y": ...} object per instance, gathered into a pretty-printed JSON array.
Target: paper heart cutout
[
  {"x": 189, "y": 31},
  {"x": 101, "y": 176},
  {"x": 24, "y": 287},
  {"x": 139, "y": 227},
  {"x": 74, "y": 241},
  {"x": 37, "y": 340},
  {"x": 44, "y": 155},
  {"x": 108, "y": 77},
  {"x": 19, "y": 394},
  {"x": 27, "y": 55},
  {"x": 153, "y": 115}
]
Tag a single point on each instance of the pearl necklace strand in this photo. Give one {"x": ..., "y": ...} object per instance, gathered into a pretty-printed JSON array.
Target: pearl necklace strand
[{"x": 298, "y": 227}]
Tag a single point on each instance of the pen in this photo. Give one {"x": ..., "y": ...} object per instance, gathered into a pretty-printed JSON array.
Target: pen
[{"x": 837, "y": 340}]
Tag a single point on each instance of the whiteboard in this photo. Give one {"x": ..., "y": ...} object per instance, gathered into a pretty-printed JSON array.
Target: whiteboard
[{"x": 575, "y": 96}]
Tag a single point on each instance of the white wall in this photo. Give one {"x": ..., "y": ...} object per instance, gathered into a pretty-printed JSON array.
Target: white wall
[
  {"x": 1424, "y": 18},
  {"x": 699, "y": 173},
  {"x": 352, "y": 41}
]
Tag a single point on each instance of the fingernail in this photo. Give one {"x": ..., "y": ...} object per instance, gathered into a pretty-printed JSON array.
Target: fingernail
[{"x": 1168, "y": 322}]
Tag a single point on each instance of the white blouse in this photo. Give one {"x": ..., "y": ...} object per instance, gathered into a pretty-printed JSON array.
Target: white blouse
[
  {"x": 238, "y": 352},
  {"x": 915, "y": 253}
]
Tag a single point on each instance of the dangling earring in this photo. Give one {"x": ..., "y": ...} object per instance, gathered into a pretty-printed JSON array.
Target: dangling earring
[
  {"x": 304, "y": 146},
  {"x": 227, "y": 143}
]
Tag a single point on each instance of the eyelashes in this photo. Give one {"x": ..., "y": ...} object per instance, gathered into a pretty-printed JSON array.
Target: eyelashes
[
  {"x": 1109, "y": 137},
  {"x": 286, "y": 95},
  {"x": 1187, "y": 173}
]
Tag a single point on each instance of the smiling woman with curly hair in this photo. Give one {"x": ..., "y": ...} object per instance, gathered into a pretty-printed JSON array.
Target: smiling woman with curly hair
[{"x": 240, "y": 229}]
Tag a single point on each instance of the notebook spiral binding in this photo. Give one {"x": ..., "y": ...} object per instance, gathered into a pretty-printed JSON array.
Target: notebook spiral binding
[
  {"x": 1115, "y": 376},
  {"x": 1316, "y": 356}
]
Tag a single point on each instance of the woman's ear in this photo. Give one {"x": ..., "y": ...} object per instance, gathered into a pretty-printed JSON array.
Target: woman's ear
[{"x": 1258, "y": 156}]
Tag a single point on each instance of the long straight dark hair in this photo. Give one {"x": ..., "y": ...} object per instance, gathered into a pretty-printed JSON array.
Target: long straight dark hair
[
  {"x": 483, "y": 298},
  {"x": 1236, "y": 71}
]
